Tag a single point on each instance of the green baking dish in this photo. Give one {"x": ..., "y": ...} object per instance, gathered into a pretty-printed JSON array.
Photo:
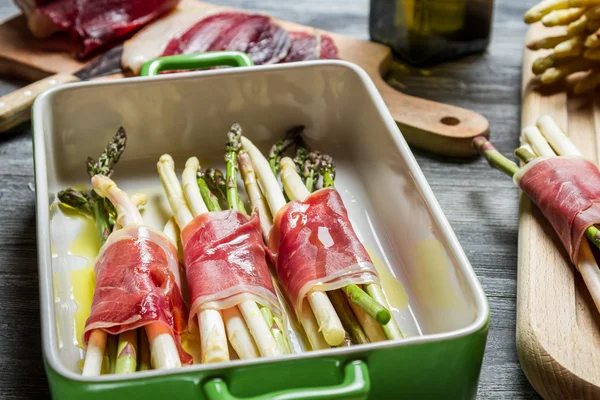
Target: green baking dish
[{"x": 389, "y": 201}]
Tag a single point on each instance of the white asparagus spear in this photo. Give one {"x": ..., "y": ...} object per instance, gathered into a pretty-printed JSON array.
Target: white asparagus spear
[
  {"x": 329, "y": 322},
  {"x": 257, "y": 325},
  {"x": 534, "y": 137},
  {"x": 162, "y": 345},
  {"x": 559, "y": 141},
  {"x": 213, "y": 340},
  {"x": 94, "y": 354},
  {"x": 258, "y": 202}
]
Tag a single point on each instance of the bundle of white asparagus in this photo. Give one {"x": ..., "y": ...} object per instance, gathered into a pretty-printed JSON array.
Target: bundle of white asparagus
[{"x": 574, "y": 43}]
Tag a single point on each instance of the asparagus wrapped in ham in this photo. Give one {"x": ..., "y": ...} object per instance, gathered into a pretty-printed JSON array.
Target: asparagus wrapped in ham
[
  {"x": 288, "y": 263},
  {"x": 137, "y": 269},
  {"x": 227, "y": 243},
  {"x": 565, "y": 187}
]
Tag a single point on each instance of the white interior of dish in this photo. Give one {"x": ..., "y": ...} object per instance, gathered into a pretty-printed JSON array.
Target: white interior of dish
[{"x": 389, "y": 202}]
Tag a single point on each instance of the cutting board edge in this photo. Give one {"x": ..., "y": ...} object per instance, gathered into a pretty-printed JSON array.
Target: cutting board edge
[{"x": 547, "y": 372}]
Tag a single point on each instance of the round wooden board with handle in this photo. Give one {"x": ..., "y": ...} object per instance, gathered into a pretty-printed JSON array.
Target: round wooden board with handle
[
  {"x": 433, "y": 126},
  {"x": 558, "y": 325}
]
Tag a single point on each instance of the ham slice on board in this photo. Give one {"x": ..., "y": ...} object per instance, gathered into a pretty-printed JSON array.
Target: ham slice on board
[
  {"x": 92, "y": 23},
  {"x": 225, "y": 262},
  {"x": 567, "y": 191},
  {"x": 316, "y": 247},
  {"x": 311, "y": 46},
  {"x": 137, "y": 283},
  {"x": 193, "y": 27}
]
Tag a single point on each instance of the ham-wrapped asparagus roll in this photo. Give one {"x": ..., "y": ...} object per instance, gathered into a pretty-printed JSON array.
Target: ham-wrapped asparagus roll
[
  {"x": 225, "y": 262},
  {"x": 316, "y": 247},
  {"x": 138, "y": 283}
]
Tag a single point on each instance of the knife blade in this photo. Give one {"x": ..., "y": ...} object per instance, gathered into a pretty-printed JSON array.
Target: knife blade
[{"x": 15, "y": 107}]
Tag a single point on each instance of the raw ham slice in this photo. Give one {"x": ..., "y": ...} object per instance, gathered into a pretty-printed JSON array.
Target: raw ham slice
[
  {"x": 567, "y": 191},
  {"x": 225, "y": 262},
  {"x": 137, "y": 283},
  {"x": 316, "y": 247},
  {"x": 263, "y": 40},
  {"x": 308, "y": 46},
  {"x": 92, "y": 23}
]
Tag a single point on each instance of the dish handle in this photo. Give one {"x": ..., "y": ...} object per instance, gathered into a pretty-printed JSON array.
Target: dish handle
[
  {"x": 196, "y": 61},
  {"x": 356, "y": 386}
]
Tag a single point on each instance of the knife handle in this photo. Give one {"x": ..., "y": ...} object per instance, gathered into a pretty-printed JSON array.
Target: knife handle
[{"x": 15, "y": 107}]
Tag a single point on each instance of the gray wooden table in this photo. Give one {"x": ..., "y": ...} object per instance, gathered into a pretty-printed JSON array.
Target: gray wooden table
[{"x": 480, "y": 203}]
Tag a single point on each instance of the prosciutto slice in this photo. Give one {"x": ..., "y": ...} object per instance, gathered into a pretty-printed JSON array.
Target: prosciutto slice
[
  {"x": 316, "y": 247},
  {"x": 263, "y": 40},
  {"x": 225, "y": 262},
  {"x": 567, "y": 191},
  {"x": 92, "y": 23},
  {"x": 137, "y": 283},
  {"x": 311, "y": 46}
]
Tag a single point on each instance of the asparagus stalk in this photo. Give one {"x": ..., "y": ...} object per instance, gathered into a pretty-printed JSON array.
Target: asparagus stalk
[
  {"x": 257, "y": 200},
  {"x": 144, "y": 351},
  {"x": 524, "y": 154},
  {"x": 211, "y": 201},
  {"x": 265, "y": 333},
  {"x": 308, "y": 165},
  {"x": 372, "y": 328},
  {"x": 215, "y": 180},
  {"x": 281, "y": 146}
]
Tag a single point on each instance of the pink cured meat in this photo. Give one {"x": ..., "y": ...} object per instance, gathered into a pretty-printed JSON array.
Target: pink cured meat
[
  {"x": 263, "y": 40},
  {"x": 567, "y": 191},
  {"x": 225, "y": 262},
  {"x": 307, "y": 46},
  {"x": 316, "y": 247},
  {"x": 95, "y": 23},
  {"x": 137, "y": 284}
]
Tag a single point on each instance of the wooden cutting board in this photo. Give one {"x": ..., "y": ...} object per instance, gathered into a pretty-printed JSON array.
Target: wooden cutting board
[
  {"x": 558, "y": 326},
  {"x": 437, "y": 127}
]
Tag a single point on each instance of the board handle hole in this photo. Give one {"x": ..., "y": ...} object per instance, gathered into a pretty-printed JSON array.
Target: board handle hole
[{"x": 452, "y": 121}]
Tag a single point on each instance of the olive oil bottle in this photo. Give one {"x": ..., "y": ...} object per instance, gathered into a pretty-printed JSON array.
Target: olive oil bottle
[{"x": 431, "y": 31}]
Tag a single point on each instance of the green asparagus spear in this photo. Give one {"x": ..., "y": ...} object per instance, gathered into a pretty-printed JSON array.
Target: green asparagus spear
[
  {"x": 234, "y": 145},
  {"x": 281, "y": 146},
  {"x": 127, "y": 353},
  {"x": 144, "y": 351},
  {"x": 327, "y": 169},
  {"x": 275, "y": 325},
  {"x": 211, "y": 201},
  {"x": 366, "y": 302},
  {"x": 308, "y": 165},
  {"x": 78, "y": 199}
]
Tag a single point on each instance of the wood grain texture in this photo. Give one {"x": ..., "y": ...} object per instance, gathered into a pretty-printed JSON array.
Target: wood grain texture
[
  {"x": 480, "y": 203},
  {"x": 558, "y": 331}
]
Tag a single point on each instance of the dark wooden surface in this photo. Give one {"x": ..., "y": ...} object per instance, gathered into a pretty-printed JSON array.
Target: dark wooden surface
[{"x": 480, "y": 203}]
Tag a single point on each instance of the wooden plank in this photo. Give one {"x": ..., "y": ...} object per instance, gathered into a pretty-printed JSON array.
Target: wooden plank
[{"x": 558, "y": 334}]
